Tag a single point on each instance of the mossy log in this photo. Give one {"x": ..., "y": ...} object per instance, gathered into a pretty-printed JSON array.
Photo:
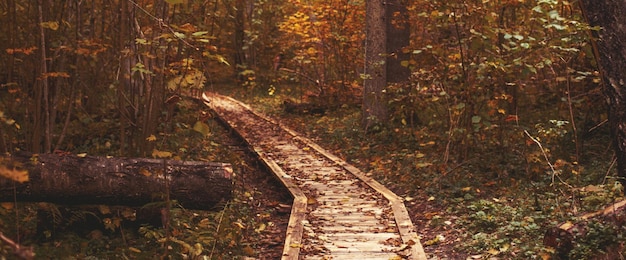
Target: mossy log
[
  {"x": 561, "y": 238},
  {"x": 303, "y": 108},
  {"x": 72, "y": 180}
]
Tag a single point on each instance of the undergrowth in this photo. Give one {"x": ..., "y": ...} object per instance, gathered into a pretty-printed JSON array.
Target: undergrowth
[
  {"x": 229, "y": 231},
  {"x": 494, "y": 199}
]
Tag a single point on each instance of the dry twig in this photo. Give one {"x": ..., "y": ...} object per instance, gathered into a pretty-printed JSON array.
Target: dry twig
[{"x": 23, "y": 252}]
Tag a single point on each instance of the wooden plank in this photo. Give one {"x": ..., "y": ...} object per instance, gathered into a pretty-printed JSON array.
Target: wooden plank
[
  {"x": 339, "y": 222},
  {"x": 336, "y": 248},
  {"x": 350, "y": 208},
  {"x": 333, "y": 212},
  {"x": 355, "y": 229},
  {"x": 351, "y": 256}
]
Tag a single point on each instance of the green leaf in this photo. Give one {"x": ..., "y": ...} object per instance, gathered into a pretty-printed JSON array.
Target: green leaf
[
  {"x": 476, "y": 119},
  {"x": 202, "y": 128},
  {"x": 422, "y": 165},
  {"x": 139, "y": 67},
  {"x": 556, "y": 26},
  {"x": 554, "y": 14},
  {"x": 200, "y": 33},
  {"x": 141, "y": 41},
  {"x": 179, "y": 35}
]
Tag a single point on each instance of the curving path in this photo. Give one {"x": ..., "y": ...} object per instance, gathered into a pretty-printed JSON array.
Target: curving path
[{"x": 338, "y": 212}]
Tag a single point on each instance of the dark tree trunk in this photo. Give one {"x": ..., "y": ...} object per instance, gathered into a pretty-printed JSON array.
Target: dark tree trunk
[
  {"x": 124, "y": 82},
  {"x": 239, "y": 36},
  {"x": 153, "y": 87},
  {"x": 70, "y": 179},
  {"x": 610, "y": 15},
  {"x": 374, "y": 105},
  {"x": 398, "y": 36}
]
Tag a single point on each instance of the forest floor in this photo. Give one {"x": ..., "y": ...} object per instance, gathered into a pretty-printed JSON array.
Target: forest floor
[
  {"x": 494, "y": 204},
  {"x": 252, "y": 224},
  {"x": 443, "y": 250},
  {"x": 269, "y": 201}
]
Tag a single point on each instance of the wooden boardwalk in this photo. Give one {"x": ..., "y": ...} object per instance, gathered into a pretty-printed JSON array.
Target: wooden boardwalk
[{"x": 338, "y": 212}]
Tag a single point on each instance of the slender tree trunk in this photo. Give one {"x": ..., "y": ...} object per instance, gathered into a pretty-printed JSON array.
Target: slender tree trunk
[
  {"x": 12, "y": 34},
  {"x": 44, "y": 80},
  {"x": 374, "y": 105},
  {"x": 610, "y": 46},
  {"x": 154, "y": 86},
  {"x": 124, "y": 77}
]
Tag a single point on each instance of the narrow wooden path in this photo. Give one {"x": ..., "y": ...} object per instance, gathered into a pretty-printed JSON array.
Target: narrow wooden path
[{"x": 338, "y": 212}]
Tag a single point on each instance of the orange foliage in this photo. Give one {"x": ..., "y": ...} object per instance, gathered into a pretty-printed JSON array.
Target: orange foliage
[
  {"x": 323, "y": 39},
  {"x": 26, "y": 51}
]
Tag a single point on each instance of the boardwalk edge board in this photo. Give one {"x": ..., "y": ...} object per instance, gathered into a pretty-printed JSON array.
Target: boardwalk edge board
[
  {"x": 292, "y": 246},
  {"x": 295, "y": 227}
]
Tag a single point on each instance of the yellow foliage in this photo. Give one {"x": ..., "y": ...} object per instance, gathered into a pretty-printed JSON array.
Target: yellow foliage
[
  {"x": 145, "y": 172},
  {"x": 52, "y": 25},
  {"x": 20, "y": 176},
  {"x": 161, "y": 154}
]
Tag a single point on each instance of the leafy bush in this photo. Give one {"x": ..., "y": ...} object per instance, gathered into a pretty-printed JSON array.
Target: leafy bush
[{"x": 600, "y": 238}]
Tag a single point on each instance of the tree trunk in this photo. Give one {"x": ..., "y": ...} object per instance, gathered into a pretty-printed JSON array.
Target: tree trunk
[
  {"x": 124, "y": 81},
  {"x": 398, "y": 36},
  {"x": 239, "y": 36},
  {"x": 70, "y": 179},
  {"x": 154, "y": 86},
  {"x": 610, "y": 15},
  {"x": 374, "y": 105}
]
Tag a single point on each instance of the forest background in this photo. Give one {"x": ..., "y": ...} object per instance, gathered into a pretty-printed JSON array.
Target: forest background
[{"x": 497, "y": 133}]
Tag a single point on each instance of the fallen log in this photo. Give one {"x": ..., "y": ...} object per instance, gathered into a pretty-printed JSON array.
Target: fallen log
[
  {"x": 303, "y": 108},
  {"x": 562, "y": 237},
  {"x": 72, "y": 180}
]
